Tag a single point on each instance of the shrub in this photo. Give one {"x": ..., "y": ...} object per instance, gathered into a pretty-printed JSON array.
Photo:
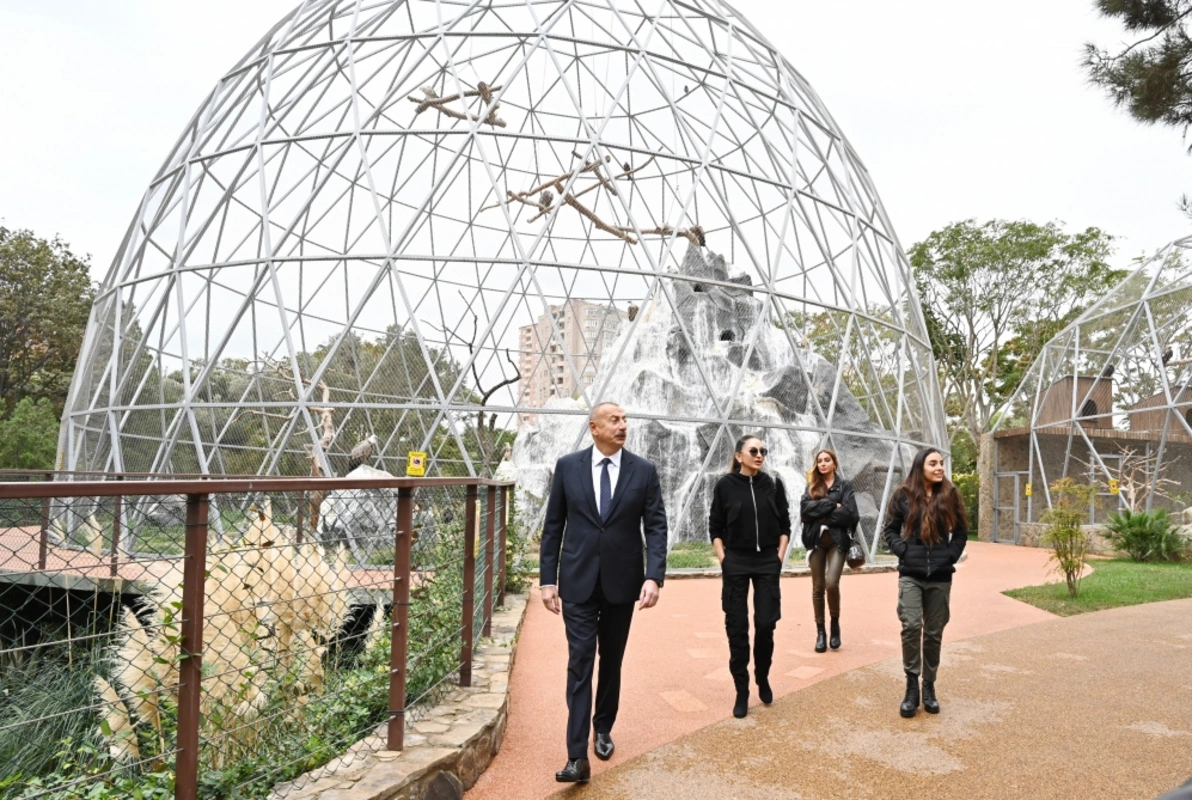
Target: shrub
[
  {"x": 969, "y": 486},
  {"x": 1069, "y": 503},
  {"x": 1146, "y": 535}
]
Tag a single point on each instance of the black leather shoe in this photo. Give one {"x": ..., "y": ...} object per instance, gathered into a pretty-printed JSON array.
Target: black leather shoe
[
  {"x": 576, "y": 771},
  {"x": 604, "y": 746},
  {"x": 834, "y": 642},
  {"x": 741, "y": 707},
  {"x": 764, "y": 691},
  {"x": 821, "y": 638},
  {"x": 910, "y": 703},
  {"x": 930, "y": 704}
]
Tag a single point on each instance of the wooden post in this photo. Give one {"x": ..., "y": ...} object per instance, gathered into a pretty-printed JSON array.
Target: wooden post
[
  {"x": 490, "y": 506},
  {"x": 43, "y": 538},
  {"x": 469, "y": 598},
  {"x": 194, "y": 569},
  {"x": 399, "y": 641},
  {"x": 503, "y": 557}
]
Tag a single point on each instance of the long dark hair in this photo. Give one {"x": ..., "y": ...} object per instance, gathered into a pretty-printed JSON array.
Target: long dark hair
[
  {"x": 733, "y": 464},
  {"x": 817, "y": 488},
  {"x": 935, "y": 515}
]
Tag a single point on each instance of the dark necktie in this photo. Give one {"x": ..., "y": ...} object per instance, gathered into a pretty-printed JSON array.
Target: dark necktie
[{"x": 606, "y": 488}]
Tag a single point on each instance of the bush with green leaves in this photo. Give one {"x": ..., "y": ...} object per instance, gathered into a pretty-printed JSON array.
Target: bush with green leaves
[
  {"x": 1146, "y": 535},
  {"x": 969, "y": 486},
  {"x": 1069, "y": 541}
]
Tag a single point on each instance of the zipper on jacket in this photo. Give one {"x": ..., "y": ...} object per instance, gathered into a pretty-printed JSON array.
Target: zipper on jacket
[{"x": 757, "y": 533}]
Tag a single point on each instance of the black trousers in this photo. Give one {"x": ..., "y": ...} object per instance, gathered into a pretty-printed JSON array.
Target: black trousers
[
  {"x": 737, "y": 571},
  {"x": 593, "y": 625}
]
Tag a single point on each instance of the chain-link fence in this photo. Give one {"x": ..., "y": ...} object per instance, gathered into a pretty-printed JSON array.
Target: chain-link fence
[{"x": 231, "y": 638}]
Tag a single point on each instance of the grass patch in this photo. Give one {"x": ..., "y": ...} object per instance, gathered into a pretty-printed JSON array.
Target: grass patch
[
  {"x": 1113, "y": 583},
  {"x": 691, "y": 555}
]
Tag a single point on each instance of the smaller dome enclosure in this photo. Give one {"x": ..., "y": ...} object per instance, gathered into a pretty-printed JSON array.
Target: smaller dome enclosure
[{"x": 1108, "y": 402}]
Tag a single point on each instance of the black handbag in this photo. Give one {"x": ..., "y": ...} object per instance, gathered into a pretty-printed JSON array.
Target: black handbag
[{"x": 856, "y": 553}]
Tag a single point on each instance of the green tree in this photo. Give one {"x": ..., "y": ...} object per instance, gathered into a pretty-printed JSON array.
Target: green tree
[
  {"x": 29, "y": 436},
  {"x": 993, "y": 294},
  {"x": 1152, "y": 76},
  {"x": 45, "y": 297}
]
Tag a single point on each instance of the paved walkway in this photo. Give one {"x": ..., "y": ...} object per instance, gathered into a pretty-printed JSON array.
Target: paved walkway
[
  {"x": 676, "y": 679},
  {"x": 1095, "y": 706}
]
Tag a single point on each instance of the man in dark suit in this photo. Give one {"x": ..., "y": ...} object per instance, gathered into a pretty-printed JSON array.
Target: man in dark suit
[{"x": 601, "y": 501}]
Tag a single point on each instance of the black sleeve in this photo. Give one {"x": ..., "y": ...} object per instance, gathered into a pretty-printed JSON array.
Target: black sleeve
[
  {"x": 552, "y": 529},
  {"x": 655, "y": 526},
  {"x": 814, "y": 510},
  {"x": 959, "y": 538},
  {"x": 847, "y": 515},
  {"x": 892, "y": 528},
  {"x": 784, "y": 509},
  {"x": 716, "y": 515}
]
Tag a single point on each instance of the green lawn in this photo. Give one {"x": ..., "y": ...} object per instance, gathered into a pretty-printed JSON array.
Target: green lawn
[
  {"x": 1113, "y": 583},
  {"x": 686, "y": 555}
]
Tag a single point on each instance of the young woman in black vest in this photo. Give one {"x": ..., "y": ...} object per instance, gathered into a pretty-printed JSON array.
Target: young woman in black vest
[
  {"x": 926, "y": 528},
  {"x": 828, "y": 510},
  {"x": 750, "y": 526}
]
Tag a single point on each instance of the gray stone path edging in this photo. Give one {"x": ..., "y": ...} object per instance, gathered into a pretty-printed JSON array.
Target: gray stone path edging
[{"x": 446, "y": 749}]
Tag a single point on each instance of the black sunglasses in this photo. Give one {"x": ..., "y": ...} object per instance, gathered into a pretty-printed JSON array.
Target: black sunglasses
[{"x": 763, "y": 452}]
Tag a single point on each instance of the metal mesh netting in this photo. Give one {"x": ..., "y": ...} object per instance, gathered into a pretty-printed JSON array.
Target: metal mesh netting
[
  {"x": 295, "y": 625},
  {"x": 449, "y": 225},
  {"x": 1108, "y": 402}
]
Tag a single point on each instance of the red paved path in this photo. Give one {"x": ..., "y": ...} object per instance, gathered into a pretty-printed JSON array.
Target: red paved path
[{"x": 676, "y": 668}]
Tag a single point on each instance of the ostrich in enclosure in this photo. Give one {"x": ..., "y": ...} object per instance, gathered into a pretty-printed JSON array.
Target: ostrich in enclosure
[{"x": 362, "y": 453}]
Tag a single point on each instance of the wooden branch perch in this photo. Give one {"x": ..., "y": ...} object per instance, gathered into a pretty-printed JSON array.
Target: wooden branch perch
[{"x": 483, "y": 91}]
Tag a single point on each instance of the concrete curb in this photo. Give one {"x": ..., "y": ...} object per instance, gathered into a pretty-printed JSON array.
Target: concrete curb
[{"x": 446, "y": 749}]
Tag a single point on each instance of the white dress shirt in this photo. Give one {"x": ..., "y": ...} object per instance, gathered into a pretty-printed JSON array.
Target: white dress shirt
[{"x": 614, "y": 469}]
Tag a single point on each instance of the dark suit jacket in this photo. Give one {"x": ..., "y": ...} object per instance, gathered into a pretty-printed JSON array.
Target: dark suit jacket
[{"x": 577, "y": 546}]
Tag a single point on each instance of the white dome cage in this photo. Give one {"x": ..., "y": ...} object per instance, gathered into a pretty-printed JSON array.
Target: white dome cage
[
  {"x": 1108, "y": 402},
  {"x": 453, "y": 225}
]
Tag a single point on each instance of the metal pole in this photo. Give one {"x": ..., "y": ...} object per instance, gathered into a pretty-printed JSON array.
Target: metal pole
[
  {"x": 399, "y": 640},
  {"x": 194, "y": 569},
  {"x": 469, "y": 598},
  {"x": 503, "y": 556},
  {"x": 117, "y": 509},
  {"x": 490, "y": 505},
  {"x": 298, "y": 522},
  {"x": 43, "y": 538}
]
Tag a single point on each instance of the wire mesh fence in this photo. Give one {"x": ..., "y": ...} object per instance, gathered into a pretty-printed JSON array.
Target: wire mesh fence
[{"x": 231, "y": 638}]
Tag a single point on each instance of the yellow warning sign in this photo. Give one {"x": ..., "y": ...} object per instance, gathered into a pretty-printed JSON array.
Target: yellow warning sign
[
  {"x": 417, "y": 466},
  {"x": 1029, "y": 489},
  {"x": 1113, "y": 486}
]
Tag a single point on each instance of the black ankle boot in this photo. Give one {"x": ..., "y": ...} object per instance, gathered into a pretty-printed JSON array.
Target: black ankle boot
[
  {"x": 910, "y": 703},
  {"x": 834, "y": 642},
  {"x": 930, "y": 704},
  {"x": 821, "y": 638},
  {"x": 764, "y": 691},
  {"x": 741, "y": 707}
]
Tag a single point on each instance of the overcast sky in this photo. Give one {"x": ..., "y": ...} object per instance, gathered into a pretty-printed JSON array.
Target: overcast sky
[{"x": 956, "y": 111}]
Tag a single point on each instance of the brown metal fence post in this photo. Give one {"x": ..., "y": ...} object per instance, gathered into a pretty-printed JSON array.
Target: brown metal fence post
[
  {"x": 117, "y": 510},
  {"x": 399, "y": 639},
  {"x": 504, "y": 557},
  {"x": 469, "y": 598},
  {"x": 490, "y": 506},
  {"x": 194, "y": 572},
  {"x": 43, "y": 538},
  {"x": 298, "y": 521}
]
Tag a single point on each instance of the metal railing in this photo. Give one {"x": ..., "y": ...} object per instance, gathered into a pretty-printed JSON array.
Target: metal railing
[{"x": 213, "y": 622}]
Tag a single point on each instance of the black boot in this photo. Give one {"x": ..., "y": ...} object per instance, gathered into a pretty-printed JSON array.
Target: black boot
[
  {"x": 741, "y": 707},
  {"x": 910, "y": 703},
  {"x": 821, "y": 638},
  {"x": 834, "y": 642},
  {"x": 930, "y": 704},
  {"x": 764, "y": 691}
]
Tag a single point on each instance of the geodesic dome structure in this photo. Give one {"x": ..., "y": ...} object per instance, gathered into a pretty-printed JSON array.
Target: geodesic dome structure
[
  {"x": 441, "y": 224},
  {"x": 1108, "y": 402}
]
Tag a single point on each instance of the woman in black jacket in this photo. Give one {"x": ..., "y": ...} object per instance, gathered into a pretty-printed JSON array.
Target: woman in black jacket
[
  {"x": 926, "y": 528},
  {"x": 828, "y": 510},
  {"x": 750, "y": 526}
]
